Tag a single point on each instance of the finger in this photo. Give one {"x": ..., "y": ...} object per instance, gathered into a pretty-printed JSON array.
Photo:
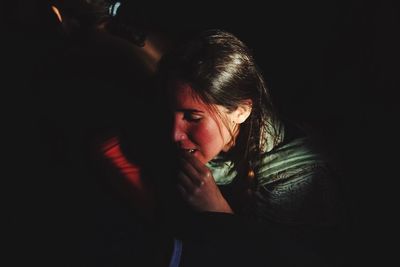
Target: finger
[
  {"x": 203, "y": 174},
  {"x": 183, "y": 192},
  {"x": 188, "y": 169},
  {"x": 186, "y": 182},
  {"x": 197, "y": 164}
]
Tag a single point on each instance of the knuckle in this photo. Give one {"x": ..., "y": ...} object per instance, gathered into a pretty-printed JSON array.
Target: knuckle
[
  {"x": 190, "y": 199},
  {"x": 196, "y": 191},
  {"x": 206, "y": 175}
]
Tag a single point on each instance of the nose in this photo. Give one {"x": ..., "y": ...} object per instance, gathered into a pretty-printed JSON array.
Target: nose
[{"x": 178, "y": 130}]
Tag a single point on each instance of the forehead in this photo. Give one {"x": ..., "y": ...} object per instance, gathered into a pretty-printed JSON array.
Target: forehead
[{"x": 184, "y": 96}]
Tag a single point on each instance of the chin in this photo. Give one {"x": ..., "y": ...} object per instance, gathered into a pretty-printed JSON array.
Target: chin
[{"x": 201, "y": 158}]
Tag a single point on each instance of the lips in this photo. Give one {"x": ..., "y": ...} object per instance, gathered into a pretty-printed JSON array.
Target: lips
[{"x": 190, "y": 150}]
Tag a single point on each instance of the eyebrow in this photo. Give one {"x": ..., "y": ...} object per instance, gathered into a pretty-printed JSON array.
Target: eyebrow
[{"x": 189, "y": 110}]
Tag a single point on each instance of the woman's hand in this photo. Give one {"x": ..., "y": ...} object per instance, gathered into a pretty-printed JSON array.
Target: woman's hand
[{"x": 198, "y": 188}]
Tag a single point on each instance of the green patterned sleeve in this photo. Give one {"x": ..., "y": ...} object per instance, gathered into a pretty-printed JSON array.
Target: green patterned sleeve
[{"x": 296, "y": 187}]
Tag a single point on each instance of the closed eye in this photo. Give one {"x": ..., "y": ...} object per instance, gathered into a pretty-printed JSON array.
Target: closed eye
[{"x": 192, "y": 116}]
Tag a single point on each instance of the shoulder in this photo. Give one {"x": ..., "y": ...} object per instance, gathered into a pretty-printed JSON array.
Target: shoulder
[
  {"x": 290, "y": 159},
  {"x": 297, "y": 185}
]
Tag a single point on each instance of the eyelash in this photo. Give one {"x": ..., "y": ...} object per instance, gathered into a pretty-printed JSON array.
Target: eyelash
[{"x": 192, "y": 117}]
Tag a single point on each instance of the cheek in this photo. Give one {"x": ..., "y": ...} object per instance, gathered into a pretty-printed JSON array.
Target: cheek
[
  {"x": 203, "y": 135},
  {"x": 208, "y": 137}
]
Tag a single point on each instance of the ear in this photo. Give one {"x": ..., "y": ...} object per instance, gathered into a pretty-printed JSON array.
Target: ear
[{"x": 241, "y": 114}]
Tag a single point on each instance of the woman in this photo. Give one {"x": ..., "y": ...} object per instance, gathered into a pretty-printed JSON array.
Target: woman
[{"x": 237, "y": 159}]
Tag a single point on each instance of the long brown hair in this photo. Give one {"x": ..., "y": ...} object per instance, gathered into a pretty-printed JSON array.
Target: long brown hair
[{"x": 221, "y": 70}]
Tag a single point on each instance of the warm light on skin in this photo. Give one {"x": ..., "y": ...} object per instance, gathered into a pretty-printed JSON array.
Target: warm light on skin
[
  {"x": 200, "y": 129},
  {"x": 112, "y": 151},
  {"x": 57, "y": 12},
  {"x": 132, "y": 177},
  {"x": 151, "y": 55}
]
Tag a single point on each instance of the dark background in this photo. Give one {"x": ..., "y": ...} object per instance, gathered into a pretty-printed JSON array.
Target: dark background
[{"x": 330, "y": 64}]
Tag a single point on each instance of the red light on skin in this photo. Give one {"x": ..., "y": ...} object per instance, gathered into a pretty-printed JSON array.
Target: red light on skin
[
  {"x": 112, "y": 151},
  {"x": 134, "y": 189}
]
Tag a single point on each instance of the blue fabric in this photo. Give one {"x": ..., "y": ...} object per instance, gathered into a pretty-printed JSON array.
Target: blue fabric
[{"x": 176, "y": 253}]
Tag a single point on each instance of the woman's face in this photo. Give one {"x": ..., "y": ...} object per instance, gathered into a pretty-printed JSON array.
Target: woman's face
[{"x": 196, "y": 129}]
